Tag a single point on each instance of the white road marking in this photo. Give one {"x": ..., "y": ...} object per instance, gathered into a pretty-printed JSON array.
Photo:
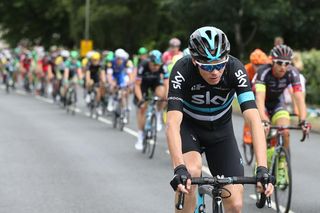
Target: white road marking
[
  {"x": 103, "y": 120},
  {"x": 47, "y": 100},
  {"x": 273, "y": 205},
  {"x": 21, "y": 92},
  {"x": 130, "y": 131}
]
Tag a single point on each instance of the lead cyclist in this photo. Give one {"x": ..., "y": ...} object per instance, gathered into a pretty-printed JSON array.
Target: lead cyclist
[{"x": 201, "y": 90}]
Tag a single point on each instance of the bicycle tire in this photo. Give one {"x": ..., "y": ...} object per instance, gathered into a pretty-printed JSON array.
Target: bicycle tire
[
  {"x": 73, "y": 101},
  {"x": 153, "y": 140},
  {"x": 7, "y": 87},
  {"x": 287, "y": 191},
  {"x": 248, "y": 153},
  {"x": 114, "y": 120},
  {"x": 121, "y": 123},
  {"x": 144, "y": 144}
]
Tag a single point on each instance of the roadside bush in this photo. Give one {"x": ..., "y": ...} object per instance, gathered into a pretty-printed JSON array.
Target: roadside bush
[{"x": 311, "y": 71}]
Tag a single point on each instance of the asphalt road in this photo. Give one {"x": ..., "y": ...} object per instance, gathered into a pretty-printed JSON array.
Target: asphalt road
[{"x": 54, "y": 162}]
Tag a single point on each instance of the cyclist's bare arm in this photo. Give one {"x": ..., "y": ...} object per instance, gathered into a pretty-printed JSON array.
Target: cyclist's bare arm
[
  {"x": 258, "y": 137},
  {"x": 109, "y": 78},
  {"x": 301, "y": 104},
  {"x": 79, "y": 72},
  {"x": 103, "y": 76},
  {"x": 137, "y": 89},
  {"x": 88, "y": 79},
  {"x": 66, "y": 74},
  {"x": 260, "y": 101},
  {"x": 174, "y": 119}
]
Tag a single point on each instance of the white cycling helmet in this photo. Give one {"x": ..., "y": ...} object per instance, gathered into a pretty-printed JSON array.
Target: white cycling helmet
[
  {"x": 121, "y": 53},
  {"x": 89, "y": 54},
  {"x": 65, "y": 53}
]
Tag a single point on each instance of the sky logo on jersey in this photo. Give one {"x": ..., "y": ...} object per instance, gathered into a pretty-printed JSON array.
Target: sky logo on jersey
[
  {"x": 206, "y": 99},
  {"x": 241, "y": 76},
  {"x": 178, "y": 79}
]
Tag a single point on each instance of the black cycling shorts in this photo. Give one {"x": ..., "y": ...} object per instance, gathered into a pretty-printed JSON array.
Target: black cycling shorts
[
  {"x": 145, "y": 87},
  {"x": 219, "y": 146}
]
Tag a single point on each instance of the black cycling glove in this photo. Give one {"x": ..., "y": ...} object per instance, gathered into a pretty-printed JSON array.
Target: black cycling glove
[
  {"x": 181, "y": 175},
  {"x": 263, "y": 176},
  {"x": 140, "y": 103},
  {"x": 305, "y": 124}
]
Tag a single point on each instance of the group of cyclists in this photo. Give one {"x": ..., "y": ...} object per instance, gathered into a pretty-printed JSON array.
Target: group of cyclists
[{"x": 199, "y": 85}]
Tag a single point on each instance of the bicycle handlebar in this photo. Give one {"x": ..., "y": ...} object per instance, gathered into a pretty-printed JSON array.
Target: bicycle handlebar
[
  {"x": 155, "y": 98},
  {"x": 221, "y": 181},
  {"x": 280, "y": 128}
]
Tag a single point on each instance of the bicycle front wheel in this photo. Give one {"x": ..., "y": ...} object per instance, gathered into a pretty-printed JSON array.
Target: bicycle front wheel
[
  {"x": 283, "y": 186},
  {"x": 73, "y": 101},
  {"x": 153, "y": 139}
]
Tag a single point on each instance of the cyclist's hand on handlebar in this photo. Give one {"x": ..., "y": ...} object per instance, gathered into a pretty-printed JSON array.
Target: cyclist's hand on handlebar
[
  {"x": 265, "y": 181},
  {"x": 181, "y": 180},
  {"x": 306, "y": 126},
  {"x": 140, "y": 103}
]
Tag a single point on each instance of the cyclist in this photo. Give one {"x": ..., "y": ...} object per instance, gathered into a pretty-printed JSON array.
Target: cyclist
[
  {"x": 137, "y": 59},
  {"x": 26, "y": 64},
  {"x": 142, "y": 55},
  {"x": 257, "y": 58},
  {"x": 60, "y": 65},
  {"x": 271, "y": 81},
  {"x": 151, "y": 76},
  {"x": 270, "y": 84},
  {"x": 44, "y": 73},
  {"x": 202, "y": 87},
  {"x": 72, "y": 70},
  {"x": 95, "y": 76},
  {"x": 174, "y": 49},
  {"x": 118, "y": 76}
]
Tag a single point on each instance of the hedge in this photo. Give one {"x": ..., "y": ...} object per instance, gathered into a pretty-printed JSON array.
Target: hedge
[{"x": 311, "y": 71}]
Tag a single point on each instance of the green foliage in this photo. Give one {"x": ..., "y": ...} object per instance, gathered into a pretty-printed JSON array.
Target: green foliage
[
  {"x": 311, "y": 72},
  {"x": 130, "y": 24}
]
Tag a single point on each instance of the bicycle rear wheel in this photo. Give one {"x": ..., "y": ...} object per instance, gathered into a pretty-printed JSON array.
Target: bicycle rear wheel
[
  {"x": 121, "y": 123},
  {"x": 248, "y": 153},
  {"x": 114, "y": 119},
  {"x": 153, "y": 139},
  {"x": 283, "y": 186}
]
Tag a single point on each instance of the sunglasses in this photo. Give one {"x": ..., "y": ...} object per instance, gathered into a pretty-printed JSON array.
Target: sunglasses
[
  {"x": 281, "y": 62},
  {"x": 212, "y": 67}
]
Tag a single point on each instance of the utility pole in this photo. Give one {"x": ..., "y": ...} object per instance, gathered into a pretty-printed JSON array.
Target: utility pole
[{"x": 87, "y": 21}]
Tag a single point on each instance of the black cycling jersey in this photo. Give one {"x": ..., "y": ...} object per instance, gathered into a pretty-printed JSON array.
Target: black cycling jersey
[
  {"x": 94, "y": 71},
  {"x": 150, "y": 80},
  {"x": 205, "y": 104},
  {"x": 148, "y": 77},
  {"x": 273, "y": 86}
]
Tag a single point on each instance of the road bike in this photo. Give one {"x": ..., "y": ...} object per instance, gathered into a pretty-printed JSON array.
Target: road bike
[
  {"x": 71, "y": 98},
  {"x": 247, "y": 146},
  {"x": 150, "y": 127},
  {"x": 120, "y": 110},
  {"x": 280, "y": 166},
  {"x": 93, "y": 103},
  {"x": 214, "y": 188}
]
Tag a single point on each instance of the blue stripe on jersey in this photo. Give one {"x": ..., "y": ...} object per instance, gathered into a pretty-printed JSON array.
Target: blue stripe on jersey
[
  {"x": 246, "y": 96},
  {"x": 213, "y": 109}
]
